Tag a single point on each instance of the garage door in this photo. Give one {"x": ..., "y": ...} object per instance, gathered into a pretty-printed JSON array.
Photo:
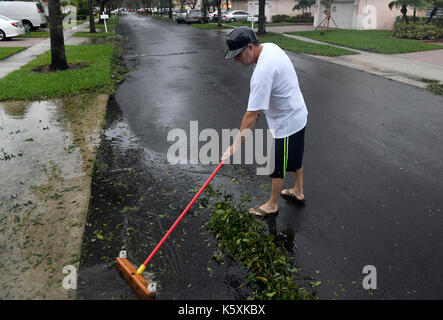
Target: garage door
[{"x": 342, "y": 15}]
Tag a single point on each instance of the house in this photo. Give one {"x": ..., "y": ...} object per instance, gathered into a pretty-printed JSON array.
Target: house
[
  {"x": 360, "y": 14},
  {"x": 348, "y": 14}
]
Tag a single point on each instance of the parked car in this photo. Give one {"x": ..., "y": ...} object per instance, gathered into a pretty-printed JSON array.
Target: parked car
[
  {"x": 235, "y": 16},
  {"x": 193, "y": 16},
  {"x": 31, "y": 14},
  {"x": 10, "y": 28},
  {"x": 181, "y": 15},
  {"x": 213, "y": 17},
  {"x": 166, "y": 11}
]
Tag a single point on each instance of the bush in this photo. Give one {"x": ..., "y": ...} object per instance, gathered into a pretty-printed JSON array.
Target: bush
[
  {"x": 256, "y": 16},
  {"x": 82, "y": 17},
  {"x": 306, "y": 17},
  {"x": 418, "y": 31},
  {"x": 83, "y": 11},
  {"x": 280, "y": 18},
  {"x": 410, "y": 18},
  {"x": 437, "y": 22}
]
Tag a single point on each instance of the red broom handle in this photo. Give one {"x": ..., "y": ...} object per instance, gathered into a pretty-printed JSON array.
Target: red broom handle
[{"x": 183, "y": 214}]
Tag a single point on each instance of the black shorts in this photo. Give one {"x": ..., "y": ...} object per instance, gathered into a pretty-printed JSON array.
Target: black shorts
[{"x": 289, "y": 154}]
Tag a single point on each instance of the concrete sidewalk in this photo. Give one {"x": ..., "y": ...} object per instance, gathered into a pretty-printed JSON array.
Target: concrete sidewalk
[{"x": 16, "y": 61}]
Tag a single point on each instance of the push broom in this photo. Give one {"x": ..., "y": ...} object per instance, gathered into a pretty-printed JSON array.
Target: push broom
[{"x": 134, "y": 278}]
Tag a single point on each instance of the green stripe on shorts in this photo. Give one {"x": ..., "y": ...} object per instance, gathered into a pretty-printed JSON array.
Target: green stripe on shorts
[{"x": 285, "y": 155}]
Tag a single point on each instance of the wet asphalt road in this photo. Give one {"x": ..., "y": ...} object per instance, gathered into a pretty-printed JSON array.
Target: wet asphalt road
[{"x": 373, "y": 169}]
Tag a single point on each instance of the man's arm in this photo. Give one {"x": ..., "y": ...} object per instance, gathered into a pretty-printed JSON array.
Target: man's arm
[{"x": 248, "y": 122}]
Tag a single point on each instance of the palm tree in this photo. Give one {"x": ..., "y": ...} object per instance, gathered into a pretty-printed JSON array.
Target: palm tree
[
  {"x": 304, "y": 5},
  {"x": 403, "y": 4}
]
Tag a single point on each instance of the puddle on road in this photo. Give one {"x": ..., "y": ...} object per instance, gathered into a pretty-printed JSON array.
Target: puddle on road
[
  {"x": 46, "y": 156},
  {"x": 135, "y": 198}
]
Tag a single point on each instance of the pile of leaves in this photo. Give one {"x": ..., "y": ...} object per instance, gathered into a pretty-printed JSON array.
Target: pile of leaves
[{"x": 243, "y": 238}]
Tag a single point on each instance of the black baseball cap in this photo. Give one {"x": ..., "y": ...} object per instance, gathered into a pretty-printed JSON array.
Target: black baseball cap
[{"x": 239, "y": 39}]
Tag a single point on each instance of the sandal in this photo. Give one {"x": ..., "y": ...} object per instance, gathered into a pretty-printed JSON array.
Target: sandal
[
  {"x": 289, "y": 196},
  {"x": 260, "y": 212}
]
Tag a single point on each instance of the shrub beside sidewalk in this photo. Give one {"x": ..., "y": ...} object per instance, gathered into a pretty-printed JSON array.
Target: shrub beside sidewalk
[{"x": 418, "y": 31}]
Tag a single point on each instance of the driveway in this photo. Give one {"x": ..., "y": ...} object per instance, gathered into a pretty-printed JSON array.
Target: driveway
[
  {"x": 373, "y": 162},
  {"x": 434, "y": 57}
]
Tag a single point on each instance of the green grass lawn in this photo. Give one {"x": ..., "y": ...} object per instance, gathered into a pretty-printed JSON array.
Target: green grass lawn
[
  {"x": 378, "y": 41},
  {"x": 298, "y": 46},
  {"x": 9, "y": 51},
  {"x": 110, "y": 23},
  {"x": 98, "y": 34},
  {"x": 36, "y": 34},
  {"x": 45, "y": 34},
  {"x": 97, "y": 75},
  {"x": 71, "y": 25}
]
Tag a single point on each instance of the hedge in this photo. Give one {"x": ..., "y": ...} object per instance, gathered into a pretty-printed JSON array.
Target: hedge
[
  {"x": 294, "y": 19},
  {"x": 418, "y": 31}
]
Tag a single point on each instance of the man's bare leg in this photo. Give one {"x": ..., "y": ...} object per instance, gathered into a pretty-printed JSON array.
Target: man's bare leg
[
  {"x": 297, "y": 190},
  {"x": 272, "y": 204}
]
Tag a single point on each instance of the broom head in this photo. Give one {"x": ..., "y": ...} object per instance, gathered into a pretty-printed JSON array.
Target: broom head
[{"x": 136, "y": 281}]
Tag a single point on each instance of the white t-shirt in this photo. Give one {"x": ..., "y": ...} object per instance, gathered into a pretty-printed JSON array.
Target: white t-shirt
[{"x": 276, "y": 92}]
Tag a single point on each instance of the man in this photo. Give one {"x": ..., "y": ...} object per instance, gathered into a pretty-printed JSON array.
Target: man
[{"x": 275, "y": 91}]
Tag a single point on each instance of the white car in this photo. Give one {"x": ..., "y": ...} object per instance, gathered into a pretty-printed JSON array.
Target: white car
[
  {"x": 235, "y": 16},
  {"x": 213, "y": 17},
  {"x": 31, "y": 14},
  {"x": 10, "y": 28}
]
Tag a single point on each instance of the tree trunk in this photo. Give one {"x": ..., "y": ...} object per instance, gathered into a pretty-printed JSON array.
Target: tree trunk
[
  {"x": 58, "y": 55},
  {"x": 433, "y": 13},
  {"x": 91, "y": 16},
  {"x": 261, "y": 17},
  {"x": 219, "y": 24},
  {"x": 404, "y": 11},
  {"x": 227, "y": 3},
  {"x": 170, "y": 9},
  {"x": 204, "y": 6},
  {"x": 102, "y": 8}
]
